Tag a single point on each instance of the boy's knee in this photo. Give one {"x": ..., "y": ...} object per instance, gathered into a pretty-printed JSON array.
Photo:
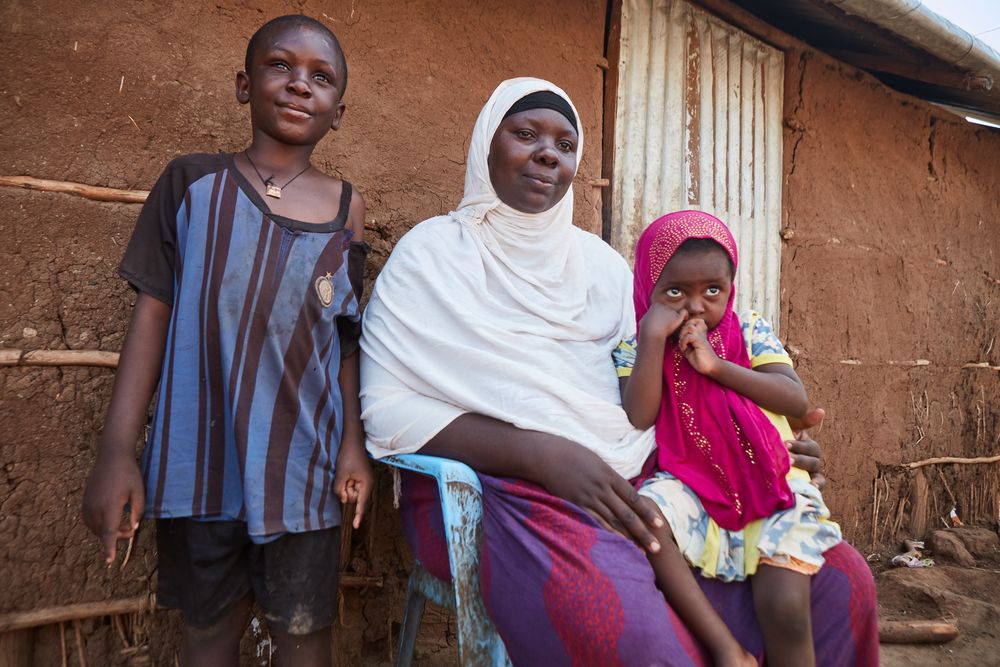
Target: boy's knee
[{"x": 227, "y": 629}]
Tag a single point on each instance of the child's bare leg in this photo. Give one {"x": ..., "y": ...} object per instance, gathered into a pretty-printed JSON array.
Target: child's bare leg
[
  {"x": 674, "y": 578},
  {"x": 306, "y": 650},
  {"x": 781, "y": 599},
  {"x": 219, "y": 644}
]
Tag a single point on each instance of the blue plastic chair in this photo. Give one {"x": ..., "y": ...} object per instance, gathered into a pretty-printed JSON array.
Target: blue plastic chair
[{"x": 462, "y": 510}]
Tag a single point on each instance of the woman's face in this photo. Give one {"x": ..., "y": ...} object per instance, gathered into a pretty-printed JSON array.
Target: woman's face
[{"x": 532, "y": 159}]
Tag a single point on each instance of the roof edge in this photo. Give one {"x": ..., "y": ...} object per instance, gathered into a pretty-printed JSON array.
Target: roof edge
[{"x": 915, "y": 23}]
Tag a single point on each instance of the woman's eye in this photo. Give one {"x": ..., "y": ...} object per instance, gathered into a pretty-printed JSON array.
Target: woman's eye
[
  {"x": 524, "y": 134},
  {"x": 713, "y": 291},
  {"x": 566, "y": 147}
]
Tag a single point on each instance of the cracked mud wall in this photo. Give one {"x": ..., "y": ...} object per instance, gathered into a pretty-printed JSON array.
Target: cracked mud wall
[
  {"x": 890, "y": 284},
  {"x": 106, "y": 94}
]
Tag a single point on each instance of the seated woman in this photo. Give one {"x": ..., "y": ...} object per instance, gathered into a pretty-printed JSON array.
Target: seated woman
[{"x": 488, "y": 340}]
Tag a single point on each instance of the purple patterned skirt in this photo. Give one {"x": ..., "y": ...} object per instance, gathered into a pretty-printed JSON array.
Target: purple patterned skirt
[{"x": 562, "y": 590}]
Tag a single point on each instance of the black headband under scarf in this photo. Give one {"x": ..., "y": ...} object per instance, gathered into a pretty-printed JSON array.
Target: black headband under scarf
[{"x": 544, "y": 99}]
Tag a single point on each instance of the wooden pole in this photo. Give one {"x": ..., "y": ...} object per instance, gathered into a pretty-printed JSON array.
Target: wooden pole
[
  {"x": 952, "y": 459},
  {"x": 359, "y": 581},
  {"x": 21, "y": 620},
  {"x": 95, "y": 192},
  {"x": 17, "y": 648},
  {"x": 916, "y": 632},
  {"x": 9, "y": 357},
  {"x": 919, "y": 511},
  {"x": 81, "y": 648}
]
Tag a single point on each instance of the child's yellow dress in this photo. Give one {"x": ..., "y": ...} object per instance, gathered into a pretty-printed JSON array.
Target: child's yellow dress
[{"x": 794, "y": 538}]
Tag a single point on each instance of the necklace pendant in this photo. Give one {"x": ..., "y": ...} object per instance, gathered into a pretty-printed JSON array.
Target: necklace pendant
[{"x": 272, "y": 190}]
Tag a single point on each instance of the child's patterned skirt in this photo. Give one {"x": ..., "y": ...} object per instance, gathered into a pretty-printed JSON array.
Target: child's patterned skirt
[{"x": 794, "y": 538}]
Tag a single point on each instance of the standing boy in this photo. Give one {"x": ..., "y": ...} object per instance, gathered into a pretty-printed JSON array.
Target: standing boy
[{"x": 248, "y": 270}]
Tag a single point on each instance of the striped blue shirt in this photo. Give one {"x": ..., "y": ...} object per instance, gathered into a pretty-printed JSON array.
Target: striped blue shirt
[{"x": 248, "y": 416}]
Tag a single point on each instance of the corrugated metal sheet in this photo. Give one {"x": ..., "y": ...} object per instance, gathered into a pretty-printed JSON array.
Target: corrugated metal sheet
[{"x": 698, "y": 125}]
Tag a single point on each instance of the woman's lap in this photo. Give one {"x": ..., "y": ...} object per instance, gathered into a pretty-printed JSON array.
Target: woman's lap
[{"x": 563, "y": 591}]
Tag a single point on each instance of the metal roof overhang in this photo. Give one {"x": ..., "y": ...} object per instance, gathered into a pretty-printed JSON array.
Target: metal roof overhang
[{"x": 901, "y": 42}]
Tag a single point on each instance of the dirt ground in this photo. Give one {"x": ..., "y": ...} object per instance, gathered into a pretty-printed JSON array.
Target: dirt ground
[{"x": 968, "y": 596}]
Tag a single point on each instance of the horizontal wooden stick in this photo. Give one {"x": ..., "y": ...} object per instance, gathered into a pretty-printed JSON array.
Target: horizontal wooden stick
[
  {"x": 10, "y": 357},
  {"x": 20, "y": 620},
  {"x": 95, "y": 192},
  {"x": 951, "y": 459},
  {"x": 916, "y": 632},
  {"x": 359, "y": 581},
  {"x": 982, "y": 364},
  {"x": 908, "y": 362}
]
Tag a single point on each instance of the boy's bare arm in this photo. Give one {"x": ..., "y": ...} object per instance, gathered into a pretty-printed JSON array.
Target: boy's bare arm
[
  {"x": 353, "y": 479},
  {"x": 114, "y": 480}
]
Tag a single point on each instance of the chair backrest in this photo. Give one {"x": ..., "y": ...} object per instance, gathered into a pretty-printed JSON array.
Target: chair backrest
[{"x": 461, "y": 508}]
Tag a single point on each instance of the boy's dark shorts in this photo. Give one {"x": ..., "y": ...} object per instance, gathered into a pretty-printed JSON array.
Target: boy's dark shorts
[{"x": 207, "y": 566}]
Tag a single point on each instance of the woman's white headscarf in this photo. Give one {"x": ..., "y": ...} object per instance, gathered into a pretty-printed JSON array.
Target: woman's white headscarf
[{"x": 502, "y": 313}]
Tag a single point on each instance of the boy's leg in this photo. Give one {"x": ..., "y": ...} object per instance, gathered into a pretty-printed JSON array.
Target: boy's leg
[
  {"x": 295, "y": 579},
  {"x": 675, "y": 579},
  {"x": 782, "y": 604},
  {"x": 219, "y": 643},
  {"x": 202, "y": 571}
]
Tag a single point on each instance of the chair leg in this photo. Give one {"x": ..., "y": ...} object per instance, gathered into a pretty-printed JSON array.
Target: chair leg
[{"x": 412, "y": 614}]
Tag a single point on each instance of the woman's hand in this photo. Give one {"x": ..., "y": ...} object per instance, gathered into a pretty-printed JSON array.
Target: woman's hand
[
  {"x": 577, "y": 475},
  {"x": 694, "y": 345},
  {"x": 805, "y": 451}
]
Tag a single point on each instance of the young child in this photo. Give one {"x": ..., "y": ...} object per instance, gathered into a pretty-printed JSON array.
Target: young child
[
  {"x": 248, "y": 269},
  {"x": 711, "y": 382}
]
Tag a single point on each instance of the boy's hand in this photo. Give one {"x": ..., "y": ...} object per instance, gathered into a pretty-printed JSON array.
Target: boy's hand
[
  {"x": 114, "y": 483},
  {"x": 694, "y": 345},
  {"x": 354, "y": 480},
  {"x": 661, "y": 321}
]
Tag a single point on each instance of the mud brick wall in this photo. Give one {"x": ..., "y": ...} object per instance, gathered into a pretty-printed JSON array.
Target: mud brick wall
[
  {"x": 106, "y": 94},
  {"x": 890, "y": 286}
]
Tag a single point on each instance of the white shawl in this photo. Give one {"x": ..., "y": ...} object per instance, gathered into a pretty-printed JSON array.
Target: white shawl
[{"x": 506, "y": 314}]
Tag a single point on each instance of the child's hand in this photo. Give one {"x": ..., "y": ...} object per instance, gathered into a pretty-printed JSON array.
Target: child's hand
[
  {"x": 661, "y": 321},
  {"x": 114, "y": 483},
  {"x": 694, "y": 345},
  {"x": 354, "y": 480}
]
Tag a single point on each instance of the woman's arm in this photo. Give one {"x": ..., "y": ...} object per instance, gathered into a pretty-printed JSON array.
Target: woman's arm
[
  {"x": 564, "y": 468},
  {"x": 114, "y": 480},
  {"x": 774, "y": 387},
  {"x": 805, "y": 451}
]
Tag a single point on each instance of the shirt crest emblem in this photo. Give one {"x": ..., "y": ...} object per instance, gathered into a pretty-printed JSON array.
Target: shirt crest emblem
[{"x": 324, "y": 289}]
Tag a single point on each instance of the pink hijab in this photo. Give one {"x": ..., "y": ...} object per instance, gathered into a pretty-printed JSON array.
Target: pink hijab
[{"x": 711, "y": 438}]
